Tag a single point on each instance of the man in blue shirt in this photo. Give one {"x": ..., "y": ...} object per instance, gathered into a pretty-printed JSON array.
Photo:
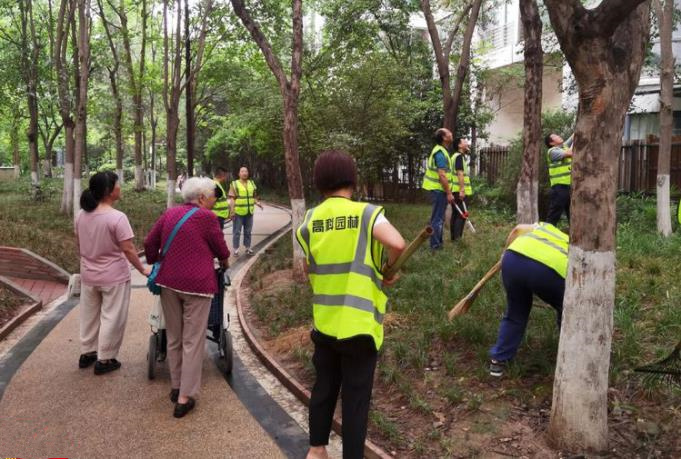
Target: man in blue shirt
[{"x": 436, "y": 182}]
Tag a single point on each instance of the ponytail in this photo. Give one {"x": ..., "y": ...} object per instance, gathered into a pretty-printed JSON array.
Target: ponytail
[{"x": 101, "y": 186}]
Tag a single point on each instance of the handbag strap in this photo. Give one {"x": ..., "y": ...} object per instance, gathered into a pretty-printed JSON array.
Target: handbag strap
[{"x": 176, "y": 229}]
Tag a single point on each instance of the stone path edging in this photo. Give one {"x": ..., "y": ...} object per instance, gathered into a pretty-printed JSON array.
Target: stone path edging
[
  {"x": 27, "y": 309},
  {"x": 371, "y": 450}
]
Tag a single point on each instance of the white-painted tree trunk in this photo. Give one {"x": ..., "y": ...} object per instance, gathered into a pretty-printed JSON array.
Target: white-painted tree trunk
[
  {"x": 121, "y": 176},
  {"x": 664, "y": 218},
  {"x": 76, "y": 197},
  {"x": 67, "y": 194},
  {"x": 580, "y": 387},
  {"x": 17, "y": 171},
  {"x": 170, "y": 202},
  {"x": 527, "y": 195},
  {"x": 139, "y": 177},
  {"x": 297, "y": 217},
  {"x": 35, "y": 178}
]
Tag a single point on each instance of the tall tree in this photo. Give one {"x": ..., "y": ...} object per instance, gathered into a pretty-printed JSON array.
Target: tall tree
[
  {"x": 115, "y": 90},
  {"x": 172, "y": 90},
  {"x": 442, "y": 54},
  {"x": 136, "y": 80},
  {"x": 290, "y": 92},
  {"x": 80, "y": 135},
  {"x": 528, "y": 183},
  {"x": 665, "y": 19},
  {"x": 65, "y": 18},
  {"x": 605, "y": 47}
]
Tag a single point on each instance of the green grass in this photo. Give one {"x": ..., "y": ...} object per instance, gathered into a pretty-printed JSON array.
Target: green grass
[
  {"x": 647, "y": 316},
  {"x": 41, "y": 228}
]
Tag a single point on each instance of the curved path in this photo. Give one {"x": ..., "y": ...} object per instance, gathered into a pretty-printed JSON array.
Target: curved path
[{"x": 50, "y": 408}]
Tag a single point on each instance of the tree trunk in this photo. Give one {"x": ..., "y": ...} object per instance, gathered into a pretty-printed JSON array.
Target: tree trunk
[
  {"x": 14, "y": 143},
  {"x": 605, "y": 48},
  {"x": 527, "y": 194},
  {"x": 290, "y": 90},
  {"x": 464, "y": 63},
  {"x": 665, "y": 18},
  {"x": 64, "y": 20},
  {"x": 69, "y": 153},
  {"x": 81, "y": 110},
  {"x": 30, "y": 52},
  {"x": 172, "y": 90}
]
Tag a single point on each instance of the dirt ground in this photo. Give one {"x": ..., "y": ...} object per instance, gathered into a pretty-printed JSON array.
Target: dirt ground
[
  {"x": 480, "y": 417},
  {"x": 9, "y": 305}
]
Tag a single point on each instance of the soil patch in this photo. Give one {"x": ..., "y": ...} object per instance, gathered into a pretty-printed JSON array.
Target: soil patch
[{"x": 10, "y": 303}]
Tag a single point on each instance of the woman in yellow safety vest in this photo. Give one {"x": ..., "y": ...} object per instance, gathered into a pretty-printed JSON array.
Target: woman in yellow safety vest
[
  {"x": 343, "y": 241},
  {"x": 243, "y": 198}
]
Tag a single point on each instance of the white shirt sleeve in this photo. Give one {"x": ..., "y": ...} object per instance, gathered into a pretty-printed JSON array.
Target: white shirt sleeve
[{"x": 380, "y": 219}]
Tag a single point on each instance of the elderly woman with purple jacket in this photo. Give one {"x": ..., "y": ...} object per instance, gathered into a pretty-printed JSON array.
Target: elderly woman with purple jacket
[{"x": 188, "y": 283}]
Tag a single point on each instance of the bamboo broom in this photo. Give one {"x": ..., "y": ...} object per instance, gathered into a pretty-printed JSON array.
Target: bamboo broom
[
  {"x": 465, "y": 304},
  {"x": 390, "y": 271}
]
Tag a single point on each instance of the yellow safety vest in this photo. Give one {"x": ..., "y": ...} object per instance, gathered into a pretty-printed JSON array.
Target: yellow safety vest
[
  {"x": 545, "y": 244},
  {"x": 466, "y": 177},
  {"x": 244, "y": 202},
  {"x": 344, "y": 264},
  {"x": 679, "y": 216},
  {"x": 431, "y": 179},
  {"x": 560, "y": 172},
  {"x": 221, "y": 207}
]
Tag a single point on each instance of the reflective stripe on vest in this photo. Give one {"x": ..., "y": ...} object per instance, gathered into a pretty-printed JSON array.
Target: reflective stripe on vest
[
  {"x": 545, "y": 244},
  {"x": 244, "y": 202},
  {"x": 343, "y": 259},
  {"x": 560, "y": 172},
  {"x": 221, "y": 207},
  {"x": 466, "y": 177},
  {"x": 431, "y": 179}
]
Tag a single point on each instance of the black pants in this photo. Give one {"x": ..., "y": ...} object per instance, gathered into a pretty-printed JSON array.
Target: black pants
[
  {"x": 560, "y": 201},
  {"x": 457, "y": 222},
  {"x": 222, "y": 222},
  {"x": 351, "y": 363}
]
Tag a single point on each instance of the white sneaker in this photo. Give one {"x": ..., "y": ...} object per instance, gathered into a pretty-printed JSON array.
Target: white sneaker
[
  {"x": 249, "y": 251},
  {"x": 236, "y": 253}
]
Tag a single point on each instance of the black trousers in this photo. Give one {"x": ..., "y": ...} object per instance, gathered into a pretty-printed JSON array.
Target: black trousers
[
  {"x": 560, "y": 201},
  {"x": 457, "y": 222},
  {"x": 349, "y": 363},
  {"x": 222, "y": 222}
]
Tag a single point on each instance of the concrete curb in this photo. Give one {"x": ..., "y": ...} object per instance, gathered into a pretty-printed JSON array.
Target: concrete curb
[
  {"x": 27, "y": 309},
  {"x": 371, "y": 450}
]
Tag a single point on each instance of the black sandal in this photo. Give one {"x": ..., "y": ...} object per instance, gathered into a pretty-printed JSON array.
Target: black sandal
[
  {"x": 183, "y": 408},
  {"x": 87, "y": 359},
  {"x": 106, "y": 366}
]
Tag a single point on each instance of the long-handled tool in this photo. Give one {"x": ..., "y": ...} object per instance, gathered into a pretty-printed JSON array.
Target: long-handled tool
[
  {"x": 390, "y": 271},
  {"x": 465, "y": 304},
  {"x": 464, "y": 215},
  {"x": 667, "y": 369}
]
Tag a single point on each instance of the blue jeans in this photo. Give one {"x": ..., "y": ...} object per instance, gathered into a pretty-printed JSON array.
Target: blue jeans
[
  {"x": 522, "y": 278},
  {"x": 245, "y": 222},
  {"x": 437, "y": 218}
]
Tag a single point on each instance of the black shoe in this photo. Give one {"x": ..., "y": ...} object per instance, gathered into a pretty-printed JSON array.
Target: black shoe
[
  {"x": 183, "y": 408},
  {"x": 106, "y": 366},
  {"x": 497, "y": 368},
  {"x": 86, "y": 360},
  {"x": 174, "y": 393}
]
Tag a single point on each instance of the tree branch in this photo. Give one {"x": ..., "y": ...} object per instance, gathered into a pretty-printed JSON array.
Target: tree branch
[
  {"x": 607, "y": 16},
  {"x": 455, "y": 30}
]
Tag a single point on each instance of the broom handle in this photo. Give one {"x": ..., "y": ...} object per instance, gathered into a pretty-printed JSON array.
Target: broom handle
[
  {"x": 495, "y": 269},
  {"x": 390, "y": 271}
]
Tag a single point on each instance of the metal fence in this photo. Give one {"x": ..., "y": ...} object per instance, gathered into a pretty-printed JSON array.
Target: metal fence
[{"x": 637, "y": 168}]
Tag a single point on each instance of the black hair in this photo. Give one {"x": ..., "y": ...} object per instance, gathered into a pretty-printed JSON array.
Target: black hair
[
  {"x": 334, "y": 170},
  {"x": 440, "y": 135},
  {"x": 218, "y": 192},
  {"x": 457, "y": 141},
  {"x": 547, "y": 140},
  {"x": 220, "y": 171},
  {"x": 101, "y": 185}
]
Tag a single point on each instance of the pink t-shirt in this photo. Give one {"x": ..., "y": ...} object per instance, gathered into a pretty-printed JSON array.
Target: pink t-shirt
[{"x": 102, "y": 263}]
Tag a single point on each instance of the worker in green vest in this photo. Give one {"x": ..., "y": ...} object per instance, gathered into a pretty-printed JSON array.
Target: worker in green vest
[
  {"x": 221, "y": 208},
  {"x": 243, "y": 197},
  {"x": 461, "y": 186},
  {"x": 535, "y": 263},
  {"x": 559, "y": 159},
  {"x": 436, "y": 182},
  {"x": 343, "y": 241}
]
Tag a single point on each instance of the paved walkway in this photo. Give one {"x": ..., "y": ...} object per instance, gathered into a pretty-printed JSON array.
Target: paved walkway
[{"x": 50, "y": 408}]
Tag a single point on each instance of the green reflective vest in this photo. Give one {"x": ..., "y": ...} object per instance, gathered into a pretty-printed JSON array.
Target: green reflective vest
[
  {"x": 244, "y": 202},
  {"x": 560, "y": 172},
  {"x": 679, "y": 216},
  {"x": 454, "y": 181},
  {"x": 547, "y": 245},
  {"x": 343, "y": 265},
  {"x": 431, "y": 179},
  {"x": 221, "y": 207}
]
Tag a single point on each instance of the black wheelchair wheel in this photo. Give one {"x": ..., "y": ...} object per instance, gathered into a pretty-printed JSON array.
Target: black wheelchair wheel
[
  {"x": 226, "y": 350},
  {"x": 151, "y": 356}
]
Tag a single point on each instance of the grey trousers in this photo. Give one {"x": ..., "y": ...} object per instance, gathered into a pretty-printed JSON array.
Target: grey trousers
[
  {"x": 186, "y": 321},
  {"x": 103, "y": 316}
]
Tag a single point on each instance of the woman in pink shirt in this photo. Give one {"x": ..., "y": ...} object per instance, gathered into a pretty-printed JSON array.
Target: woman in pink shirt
[
  {"x": 105, "y": 242},
  {"x": 188, "y": 283}
]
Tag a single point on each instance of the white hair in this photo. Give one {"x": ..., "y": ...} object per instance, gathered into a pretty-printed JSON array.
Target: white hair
[{"x": 194, "y": 187}]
